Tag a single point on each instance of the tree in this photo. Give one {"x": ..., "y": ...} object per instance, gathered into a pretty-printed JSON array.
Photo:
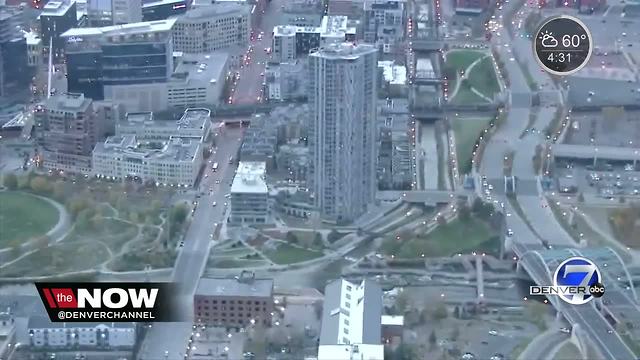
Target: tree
[
  {"x": 464, "y": 213},
  {"x": 456, "y": 312},
  {"x": 333, "y": 236},
  {"x": 134, "y": 217},
  {"x": 10, "y": 181},
  {"x": 477, "y": 206},
  {"x": 439, "y": 312},
  {"x": 76, "y": 205},
  {"x": 432, "y": 338},
  {"x": 58, "y": 190},
  {"x": 179, "y": 214},
  {"x": 401, "y": 303},
  {"x": 441, "y": 220},
  {"x": 40, "y": 185},
  {"x": 317, "y": 240},
  {"x": 536, "y": 311},
  {"x": 291, "y": 237}
]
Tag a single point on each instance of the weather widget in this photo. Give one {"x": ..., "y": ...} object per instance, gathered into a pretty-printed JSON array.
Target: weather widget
[{"x": 562, "y": 45}]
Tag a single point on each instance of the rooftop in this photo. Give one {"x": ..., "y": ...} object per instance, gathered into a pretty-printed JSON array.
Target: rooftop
[
  {"x": 175, "y": 149},
  {"x": 57, "y": 8},
  {"x": 141, "y": 28},
  {"x": 602, "y": 152},
  {"x": 344, "y": 51},
  {"x": 350, "y": 352},
  {"x": 192, "y": 118},
  {"x": 250, "y": 178},
  {"x": 392, "y": 73},
  {"x": 353, "y": 309},
  {"x": 242, "y": 285},
  {"x": 201, "y": 11},
  {"x": 200, "y": 68},
  {"x": 595, "y": 92},
  {"x": 67, "y": 101}
]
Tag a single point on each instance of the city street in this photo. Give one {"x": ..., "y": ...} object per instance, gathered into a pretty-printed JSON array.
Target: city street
[
  {"x": 249, "y": 87},
  {"x": 192, "y": 257}
]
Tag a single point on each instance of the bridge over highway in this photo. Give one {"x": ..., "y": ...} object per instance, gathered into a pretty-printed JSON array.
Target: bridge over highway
[
  {"x": 428, "y": 197},
  {"x": 540, "y": 264}
]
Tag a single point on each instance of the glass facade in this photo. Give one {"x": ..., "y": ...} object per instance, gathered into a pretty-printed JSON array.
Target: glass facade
[
  {"x": 84, "y": 74},
  {"x": 135, "y": 63}
]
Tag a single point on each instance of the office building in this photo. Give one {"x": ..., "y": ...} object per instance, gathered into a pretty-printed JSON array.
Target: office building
[
  {"x": 290, "y": 42},
  {"x": 44, "y": 334},
  {"x": 211, "y": 27},
  {"x": 342, "y": 93},
  {"x": 67, "y": 128},
  {"x": 99, "y": 13},
  {"x": 249, "y": 194},
  {"x": 237, "y": 302},
  {"x": 126, "y": 11},
  {"x": 57, "y": 17},
  {"x": 164, "y": 9},
  {"x": 15, "y": 72},
  {"x": 34, "y": 49},
  {"x": 384, "y": 23},
  {"x": 197, "y": 80},
  {"x": 7, "y": 335},
  {"x": 351, "y": 321},
  {"x": 303, "y": 13},
  {"x": 105, "y": 61},
  {"x": 194, "y": 123},
  {"x": 284, "y": 43},
  {"x": 286, "y": 81},
  {"x": 175, "y": 161}
]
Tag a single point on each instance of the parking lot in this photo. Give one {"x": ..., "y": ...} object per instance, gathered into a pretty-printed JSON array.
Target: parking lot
[{"x": 611, "y": 181}]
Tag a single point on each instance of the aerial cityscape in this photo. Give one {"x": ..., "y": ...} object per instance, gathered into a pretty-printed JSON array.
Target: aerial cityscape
[{"x": 320, "y": 179}]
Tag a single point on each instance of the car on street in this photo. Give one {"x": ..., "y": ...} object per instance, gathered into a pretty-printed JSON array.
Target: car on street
[
  {"x": 493, "y": 333},
  {"x": 181, "y": 243},
  {"x": 565, "y": 330},
  {"x": 214, "y": 203}
]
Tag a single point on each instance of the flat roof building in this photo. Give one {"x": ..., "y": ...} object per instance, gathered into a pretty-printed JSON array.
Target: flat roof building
[
  {"x": 176, "y": 161},
  {"x": 194, "y": 123},
  {"x": 43, "y": 334},
  {"x": 211, "y": 27},
  {"x": 236, "y": 302},
  {"x": 351, "y": 321},
  {"x": 249, "y": 194}
]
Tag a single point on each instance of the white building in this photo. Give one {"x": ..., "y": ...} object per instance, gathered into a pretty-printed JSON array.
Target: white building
[
  {"x": 249, "y": 194},
  {"x": 351, "y": 321},
  {"x": 342, "y": 139},
  {"x": 176, "y": 161},
  {"x": 45, "y": 334},
  {"x": 210, "y": 27},
  {"x": 424, "y": 69},
  {"x": 34, "y": 48},
  {"x": 284, "y": 43},
  {"x": 336, "y": 29},
  {"x": 384, "y": 23},
  {"x": 7, "y": 335},
  {"x": 194, "y": 123},
  {"x": 126, "y": 11}
]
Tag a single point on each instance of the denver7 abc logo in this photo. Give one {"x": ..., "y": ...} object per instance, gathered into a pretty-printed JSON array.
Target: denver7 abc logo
[{"x": 576, "y": 281}]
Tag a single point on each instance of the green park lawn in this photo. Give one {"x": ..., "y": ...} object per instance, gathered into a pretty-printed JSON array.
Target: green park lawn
[
  {"x": 24, "y": 216},
  {"x": 466, "y": 131},
  {"x": 287, "y": 254},
  {"x": 483, "y": 78},
  {"x": 447, "y": 240},
  {"x": 58, "y": 259},
  {"x": 461, "y": 59}
]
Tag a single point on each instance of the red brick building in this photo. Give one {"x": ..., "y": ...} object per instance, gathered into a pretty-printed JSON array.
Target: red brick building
[{"x": 234, "y": 302}]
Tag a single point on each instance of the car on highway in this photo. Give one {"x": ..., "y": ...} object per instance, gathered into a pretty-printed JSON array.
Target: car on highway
[
  {"x": 493, "y": 333},
  {"x": 217, "y": 181},
  {"x": 565, "y": 330},
  {"x": 214, "y": 203},
  {"x": 509, "y": 232}
]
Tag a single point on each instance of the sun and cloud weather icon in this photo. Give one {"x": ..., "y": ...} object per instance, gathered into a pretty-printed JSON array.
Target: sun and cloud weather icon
[{"x": 548, "y": 40}]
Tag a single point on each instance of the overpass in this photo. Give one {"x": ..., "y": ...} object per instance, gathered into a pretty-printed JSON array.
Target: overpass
[
  {"x": 540, "y": 264},
  {"x": 428, "y": 197}
]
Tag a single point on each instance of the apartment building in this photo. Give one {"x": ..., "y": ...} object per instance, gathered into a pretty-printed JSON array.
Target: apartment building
[
  {"x": 67, "y": 128},
  {"x": 211, "y": 27},
  {"x": 45, "y": 334},
  {"x": 342, "y": 92},
  {"x": 237, "y": 302}
]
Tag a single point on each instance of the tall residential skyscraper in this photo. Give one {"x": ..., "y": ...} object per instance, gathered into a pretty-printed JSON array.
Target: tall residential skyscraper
[{"x": 342, "y": 94}]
